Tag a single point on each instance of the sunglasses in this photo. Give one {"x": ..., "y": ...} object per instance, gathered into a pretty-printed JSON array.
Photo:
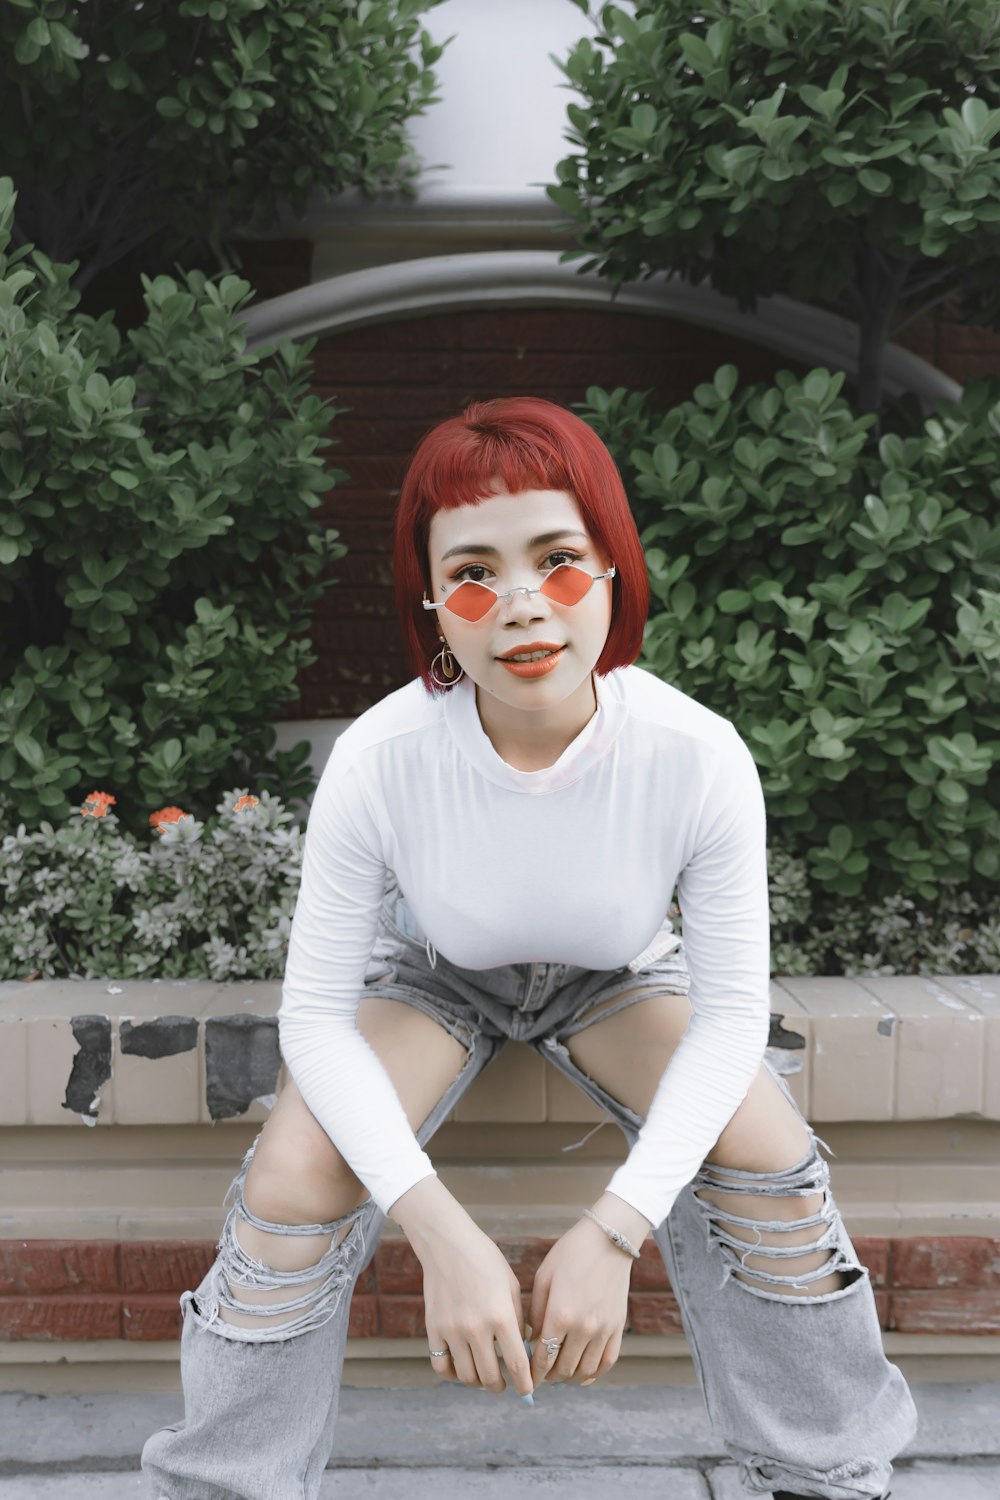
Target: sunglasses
[{"x": 566, "y": 584}]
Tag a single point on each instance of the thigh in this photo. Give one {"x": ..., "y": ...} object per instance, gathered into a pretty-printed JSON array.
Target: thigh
[
  {"x": 296, "y": 1163},
  {"x": 626, "y": 1055}
]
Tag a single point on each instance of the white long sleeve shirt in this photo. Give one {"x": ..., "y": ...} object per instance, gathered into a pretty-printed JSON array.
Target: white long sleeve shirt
[{"x": 573, "y": 864}]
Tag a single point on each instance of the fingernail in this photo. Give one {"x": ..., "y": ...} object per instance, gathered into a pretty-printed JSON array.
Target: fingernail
[{"x": 590, "y": 1381}]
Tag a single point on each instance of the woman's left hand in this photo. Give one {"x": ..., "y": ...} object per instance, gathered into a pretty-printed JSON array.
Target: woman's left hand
[{"x": 580, "y": 1294}]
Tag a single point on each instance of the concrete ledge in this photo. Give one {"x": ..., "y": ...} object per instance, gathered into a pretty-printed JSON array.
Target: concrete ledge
[{"x": 132, "y": 1052}]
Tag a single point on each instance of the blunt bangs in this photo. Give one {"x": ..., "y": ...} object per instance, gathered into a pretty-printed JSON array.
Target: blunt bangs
[{"x": 506, "y": 446}]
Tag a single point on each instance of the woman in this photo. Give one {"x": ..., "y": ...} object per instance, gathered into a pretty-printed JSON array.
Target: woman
[{"x": 491, "y": 853}]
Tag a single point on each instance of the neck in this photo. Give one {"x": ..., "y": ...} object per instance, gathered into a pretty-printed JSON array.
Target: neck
[{"x": 533, "y": 741}]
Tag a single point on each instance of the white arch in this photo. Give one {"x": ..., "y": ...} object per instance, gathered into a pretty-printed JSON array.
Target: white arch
[{"x": 537, "y": 278}]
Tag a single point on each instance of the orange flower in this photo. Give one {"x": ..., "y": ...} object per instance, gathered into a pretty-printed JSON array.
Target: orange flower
[
  {"x": 97, "y": 804},
  {"x": 159, "y": 820},
  {"x": 243, "y": 802}
]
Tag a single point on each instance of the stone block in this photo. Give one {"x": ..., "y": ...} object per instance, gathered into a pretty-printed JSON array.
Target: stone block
[
  {"x": 649, "y": 1274},
  {"x": 156, "y": 1073},
  {"x": 241, "y": 1063},
  {"x": 397, "y": 1268},
  {"x": 968, "y": 1311},
  {"x": 13, "y": 1072},
  {"x": 939, "y": 1047},
  {"x": 402, "y": 1317},
  {"x": 69, "y": 1071},
  {"x": 873, "y": 1252},
  {"x": 653, "y": 1312},
  {"x": 982, "y": 993},
  {"x": 364, "y": 1319},
  {"x": 524, "y": 1256},
  {"x": 92, "y": 1316},
  {"x": 853, "y": 1049},
  {"x": 165, "y": 1265},
  {"x": 966, "y": 1261},
  {"x": 149, "y": 1317},
  {"x": 43, "y": 1267}
]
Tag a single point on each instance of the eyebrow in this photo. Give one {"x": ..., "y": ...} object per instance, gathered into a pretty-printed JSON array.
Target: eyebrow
[{"x": 536, "y": 541}]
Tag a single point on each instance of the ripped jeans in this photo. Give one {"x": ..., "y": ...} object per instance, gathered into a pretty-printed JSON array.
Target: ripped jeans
[{"x": 797, "y": 1385}]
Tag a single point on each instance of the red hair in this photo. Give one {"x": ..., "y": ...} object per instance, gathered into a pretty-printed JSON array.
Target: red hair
[{"x": 506, "y": 446}]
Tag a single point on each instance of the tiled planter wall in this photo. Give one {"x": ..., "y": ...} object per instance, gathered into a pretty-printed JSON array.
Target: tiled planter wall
[{"x": 170, "y": 1054}]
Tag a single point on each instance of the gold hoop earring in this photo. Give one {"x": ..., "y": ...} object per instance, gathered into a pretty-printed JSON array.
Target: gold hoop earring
[{"x": 448, "y": 664}]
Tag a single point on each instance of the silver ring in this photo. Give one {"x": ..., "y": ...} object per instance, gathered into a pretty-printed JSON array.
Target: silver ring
[
  {"x": 438, "y": 1353},
  {"x": 553, "y": 1345}
]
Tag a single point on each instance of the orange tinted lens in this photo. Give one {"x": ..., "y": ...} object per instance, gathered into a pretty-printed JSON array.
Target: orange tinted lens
[
  {"x": 567, "y": 585},
  {"x": 471, "y": 601}
]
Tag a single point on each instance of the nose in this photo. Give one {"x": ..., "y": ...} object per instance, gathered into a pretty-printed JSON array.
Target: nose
[{"x": 520, "y": 604}]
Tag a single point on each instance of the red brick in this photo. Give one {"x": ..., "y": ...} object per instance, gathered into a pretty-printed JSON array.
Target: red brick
[
  {"x": 873, "y": 1252},
  {"x": 402, "y": 1317},
  {"x": 653, "y": 1312},
  {"x": 364, "y": 1319},
  {"x": 973, "y": 1312},
  {"x": 649, "y": 1274},
  {"x": 165, "y": 1265},
  {"x": 960, "y": 1261},
  {"x": 334, "y": 367},
  {"x": 397, "y": 1269},
  {"x": 151, "y": 1316},
  {"x": 882, "y": 1308},
  {"x": 33, "y": 1267},
  {"x": 86, "y": 1317},
  {"x": 524, "y": 1256}
]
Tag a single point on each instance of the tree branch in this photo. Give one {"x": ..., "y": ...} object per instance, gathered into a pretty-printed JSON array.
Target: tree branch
[{"x": 924, "y": 307}]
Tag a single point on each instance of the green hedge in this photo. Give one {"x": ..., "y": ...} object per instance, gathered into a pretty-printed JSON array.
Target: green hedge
[
  {"x": 839, "y": 602},
  {"x": 159, "y": 561}
]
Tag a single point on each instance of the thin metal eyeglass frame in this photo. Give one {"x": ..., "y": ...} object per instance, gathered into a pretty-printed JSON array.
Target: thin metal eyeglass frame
[{"x": 508, "y": 594}]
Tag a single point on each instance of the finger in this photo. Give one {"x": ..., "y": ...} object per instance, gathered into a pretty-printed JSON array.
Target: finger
[
  {"x": 565, "y": 1364},
  {"x": 612, "y": 1352},
  {"x": 465, "y": 1365},
  {"x": 515, "y": 1357},
  {"x": 441, "y": 1364},
  {"x": 488, "y": 1367},
  {"x": 591, "y": 1360}
]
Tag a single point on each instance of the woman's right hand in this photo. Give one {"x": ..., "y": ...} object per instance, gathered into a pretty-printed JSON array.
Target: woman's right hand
[{"x": 471, "y": 1295}]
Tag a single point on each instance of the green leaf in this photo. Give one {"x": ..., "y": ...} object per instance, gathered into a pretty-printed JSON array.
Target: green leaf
[
  {"x": 726, "y": 380},
  {"x": 643, "y": 119},
  {"x": 875, "y": 182}
]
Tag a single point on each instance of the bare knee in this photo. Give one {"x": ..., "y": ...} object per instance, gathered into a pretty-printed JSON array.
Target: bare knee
[{"x": 296, "y": 1174}]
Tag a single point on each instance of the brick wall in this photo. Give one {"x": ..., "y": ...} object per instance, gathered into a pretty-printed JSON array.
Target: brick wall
[{"x": 105, "y": 1289}]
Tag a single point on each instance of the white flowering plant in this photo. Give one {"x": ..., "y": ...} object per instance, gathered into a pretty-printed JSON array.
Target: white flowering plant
[
  {"x": 814, "y": 931},
  {"x": 209, "y": 900},
  {"x": 215, "y": 900}
]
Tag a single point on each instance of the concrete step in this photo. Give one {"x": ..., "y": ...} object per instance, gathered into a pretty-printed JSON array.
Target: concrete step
[
  {"x": 921, "y": 1481},
  {"x": 449, "y": 1426}
]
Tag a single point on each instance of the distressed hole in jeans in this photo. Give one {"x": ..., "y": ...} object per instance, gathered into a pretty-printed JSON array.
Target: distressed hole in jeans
[
  {"x": 792, "y": 1242},
  {"x": 295, "y": 1289}
]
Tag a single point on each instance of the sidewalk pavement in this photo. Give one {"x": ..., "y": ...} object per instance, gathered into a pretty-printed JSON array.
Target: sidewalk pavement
[{"x": 635, "y": 1443}]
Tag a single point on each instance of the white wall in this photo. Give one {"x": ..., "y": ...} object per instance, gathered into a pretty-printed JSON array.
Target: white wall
[{"x": 502, "y": 113}]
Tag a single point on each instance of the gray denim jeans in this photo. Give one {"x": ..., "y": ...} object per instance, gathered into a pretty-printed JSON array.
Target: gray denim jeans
[{"x": 797, "y": 1386}]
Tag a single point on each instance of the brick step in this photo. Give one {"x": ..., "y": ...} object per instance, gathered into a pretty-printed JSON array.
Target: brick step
[{"x": 106, "y": 1289}]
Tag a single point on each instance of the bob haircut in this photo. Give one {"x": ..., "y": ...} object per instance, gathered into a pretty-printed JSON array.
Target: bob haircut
[{"x": 505, "y": 446}]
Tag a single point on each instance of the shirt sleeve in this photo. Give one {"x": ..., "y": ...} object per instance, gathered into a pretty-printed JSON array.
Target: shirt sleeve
[
  {"x": 724, "y": 909},
  {"x": 338, "y": 1074}
]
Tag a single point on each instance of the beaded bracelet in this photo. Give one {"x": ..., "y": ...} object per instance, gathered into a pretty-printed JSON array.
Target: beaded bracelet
[{"x": 615, "y": 1235}]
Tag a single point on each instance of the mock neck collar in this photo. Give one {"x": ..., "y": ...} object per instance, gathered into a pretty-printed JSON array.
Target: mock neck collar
[{"x": 591, "y": 744}]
